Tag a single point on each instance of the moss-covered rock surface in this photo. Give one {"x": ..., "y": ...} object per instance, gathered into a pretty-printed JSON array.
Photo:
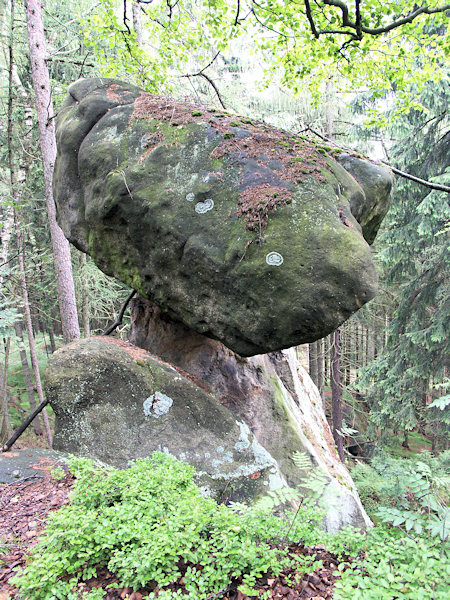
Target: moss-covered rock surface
[
  {"x": 117, "y": 403},
  {"x": 244, "y": 233}
]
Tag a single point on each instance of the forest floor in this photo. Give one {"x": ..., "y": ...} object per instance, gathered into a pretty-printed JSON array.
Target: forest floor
[{"x": 26, "y": 503}]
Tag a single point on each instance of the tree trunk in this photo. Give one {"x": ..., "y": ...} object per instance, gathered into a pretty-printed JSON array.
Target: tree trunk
[
  {"x": 5, "y": 423},
  {"x": 326, "y": 365},
  {"x": 405, "y": 442},
  {"x": 51, "y": 335},
  {"x": 31, "y": 341},
  {"x": 85, "y": 292},
  {"x": 27, "y": 377},
  {"x": 313, "y": 365},
  {"x": 320, "y": 368},
  {"x": 336, "y": 393},
  {"x": 137, "y": 21},
  {"x": 44, "y": 107}
]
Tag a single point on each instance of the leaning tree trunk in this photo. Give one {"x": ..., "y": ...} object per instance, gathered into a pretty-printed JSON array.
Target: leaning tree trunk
[
  {"x": 336, "y": 393},
  {"x": 44, "y": 107}
]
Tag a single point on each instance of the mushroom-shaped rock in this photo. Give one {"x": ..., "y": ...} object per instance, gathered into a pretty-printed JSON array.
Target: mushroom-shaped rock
[{"x": 242, "y": 232}]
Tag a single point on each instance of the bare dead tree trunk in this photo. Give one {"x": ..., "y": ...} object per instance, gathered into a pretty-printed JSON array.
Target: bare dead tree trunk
[
  {"x": 44, "y": 107},
  {"x": 336, "y": 393},
  {"x": 27, "y": 377}
]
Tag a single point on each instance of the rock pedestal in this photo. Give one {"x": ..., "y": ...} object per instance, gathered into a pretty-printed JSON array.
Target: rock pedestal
[{"x": 238, "y": 421}]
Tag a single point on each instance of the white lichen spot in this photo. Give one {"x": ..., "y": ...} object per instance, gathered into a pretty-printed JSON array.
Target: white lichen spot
[
  {"x": 207, "y": 455},
  {"x": 203, "y": 207},
  {"x": 156, "y": 405},
  {"x": 243, "y": 441},
  {"x": 274, "y": 259},
  {"x": 228, "y": 457},
  {"x": 220, "y": 449},
  {"x": 190, "y": 197},
  {"x": 276, "y": 481}
]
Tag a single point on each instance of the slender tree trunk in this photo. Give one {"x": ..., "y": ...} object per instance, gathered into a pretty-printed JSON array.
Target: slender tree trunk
[
  {"x": 44, "y": 107},
  {"x": 51, "y": 335},
  {"x": 320, "y": 367},
  {"x": 85, "y": 292},
  {"x": 326, "y": 361},
  {"x": 27, "y": 377},
  {"x": 336, "y": 393},
  {"x": 31, "y": 341},
  {"x": 5, "y": 423},
  {"x": 313, "y": 366}
]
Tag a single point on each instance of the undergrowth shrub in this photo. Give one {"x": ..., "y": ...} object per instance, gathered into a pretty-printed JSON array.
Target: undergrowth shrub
[{"x": 149, "y": 524}]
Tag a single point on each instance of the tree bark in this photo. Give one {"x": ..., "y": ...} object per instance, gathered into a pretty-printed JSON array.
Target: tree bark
[
  {"x": 85, "y": 292},
  {"x": 320, "y": 368},
  {"x": 51, "y": 335},
  {"x": 405, "y": 442},
  {"x": 326, "y": 361},
  {"x": 137, "y": 21},
  {"x": 44, "y": 107},
  {"x": 336, "y": 393}
]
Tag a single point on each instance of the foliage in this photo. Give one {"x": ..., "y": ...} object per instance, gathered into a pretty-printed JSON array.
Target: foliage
[
  {"x": 149, "y": 523},
  {"x": 308, "y": 43},
  {"x": 414, "y": 256},
  {"x": 393, "y": 482},
  {"x": 8, "y": 316},
  {"x": 143, "y": 523},
  {"x": 394, "y": 566}
]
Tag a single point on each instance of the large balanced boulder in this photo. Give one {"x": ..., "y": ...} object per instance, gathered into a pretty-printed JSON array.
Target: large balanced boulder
[{"x": 244, "y": 233}]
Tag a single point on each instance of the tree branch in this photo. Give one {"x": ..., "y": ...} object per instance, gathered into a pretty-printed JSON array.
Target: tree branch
[
  {"x": 201, "y": 73},
  {"x": 310, "y": 19},
  {"x": 430, "y": 184},
  {"x": 114, "y": 326},
  {"x": 358, "y": 25}
]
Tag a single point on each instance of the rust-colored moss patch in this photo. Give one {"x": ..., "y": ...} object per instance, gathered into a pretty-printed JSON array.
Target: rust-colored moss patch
[{"x": 255, "y": 203}]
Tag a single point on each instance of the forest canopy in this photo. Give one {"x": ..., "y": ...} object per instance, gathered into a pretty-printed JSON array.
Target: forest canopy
[{"x": 394, "y": 47}]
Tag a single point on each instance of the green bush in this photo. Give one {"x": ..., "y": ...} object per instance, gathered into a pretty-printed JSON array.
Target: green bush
[
  {"x": 143, "y": 524},
  {"x": 150, "y": 525},
  {"x": 395, "y": 566}
]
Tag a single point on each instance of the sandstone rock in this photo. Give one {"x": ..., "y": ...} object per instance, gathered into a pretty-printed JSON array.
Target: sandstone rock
[
  {"x": 271, "y": 393},
  {"x": 116, "y": 403},
  {"x": 242, "y": 232}
]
